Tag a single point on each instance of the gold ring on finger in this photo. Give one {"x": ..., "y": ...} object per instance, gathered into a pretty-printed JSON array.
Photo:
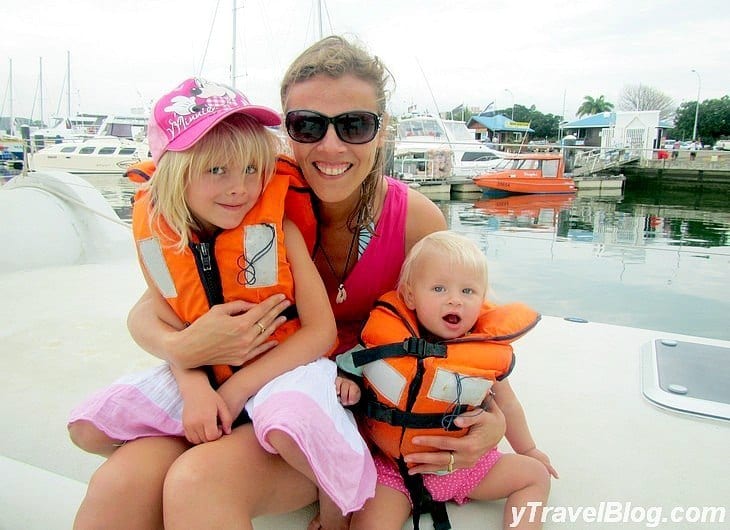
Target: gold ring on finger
[
  {"x": 261, "y": 328},
  {"x": 451, "y": 462}
]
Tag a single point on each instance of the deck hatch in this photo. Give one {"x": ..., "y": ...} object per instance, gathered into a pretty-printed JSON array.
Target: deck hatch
[{"x": 688, "y": 377}]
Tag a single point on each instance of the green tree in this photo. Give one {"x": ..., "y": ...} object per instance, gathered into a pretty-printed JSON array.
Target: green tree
[
  {"x": 592, "y": 106},
  {"x": 544, "y": 125},
  {"x": 642, "y": 97},
  {"x": 713, "y": 120}
]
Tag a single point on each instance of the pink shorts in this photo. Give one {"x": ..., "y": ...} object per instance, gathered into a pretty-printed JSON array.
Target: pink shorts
[{"x": 455, "y": 486}]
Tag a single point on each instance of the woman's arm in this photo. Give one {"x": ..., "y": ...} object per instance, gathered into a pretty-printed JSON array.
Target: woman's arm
[
  {"x": 227, "y": 334},
  {"x": 314, "y": 339}
]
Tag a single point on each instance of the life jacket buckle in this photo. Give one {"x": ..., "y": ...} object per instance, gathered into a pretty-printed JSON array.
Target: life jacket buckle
[{"x": 421, "y": 348}]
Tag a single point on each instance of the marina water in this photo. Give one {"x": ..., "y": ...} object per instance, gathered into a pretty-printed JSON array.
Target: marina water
[{"x": 651, "y": 257}]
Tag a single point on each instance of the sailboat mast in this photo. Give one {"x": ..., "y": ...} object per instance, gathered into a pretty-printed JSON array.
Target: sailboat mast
[
  {"x": 40, "y": 86},
  {"x": 68, "y": 84},
  {"x": 319, "y": 17},
  {"x": 233, "y": 47},
  {"x": 10, "y": 93}
]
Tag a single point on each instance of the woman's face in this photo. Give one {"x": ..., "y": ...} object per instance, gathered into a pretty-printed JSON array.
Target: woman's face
[{"x": 334, "y": 169}]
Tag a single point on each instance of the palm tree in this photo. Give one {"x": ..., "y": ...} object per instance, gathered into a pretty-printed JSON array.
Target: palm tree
[{"x": 592, "y": 106}]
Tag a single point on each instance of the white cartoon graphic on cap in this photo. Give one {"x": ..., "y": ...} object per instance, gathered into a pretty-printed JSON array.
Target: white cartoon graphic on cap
[
  {"x": 183, "y": 106},
  {"x": 206, "y": 89}
]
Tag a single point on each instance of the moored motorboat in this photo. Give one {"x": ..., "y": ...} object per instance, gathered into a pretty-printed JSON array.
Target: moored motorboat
[
  {"x": 119, "y": 143},
  {"x": 427, "y": 147},
  {"x": 527, "y": 173},
  {"x": 625, "y": 460}
]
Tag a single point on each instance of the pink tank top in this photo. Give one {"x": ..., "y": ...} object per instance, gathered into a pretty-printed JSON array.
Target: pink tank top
[{"x": 377, "y": 270}]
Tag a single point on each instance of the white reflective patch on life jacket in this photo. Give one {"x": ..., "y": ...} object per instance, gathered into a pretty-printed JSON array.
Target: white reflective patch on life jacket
[
  {"x": 260, "y": 255},
  {"x": 151, "y": 253},
  {"x": 453, "y": 387},
  {"x": 386, "y": 380}
]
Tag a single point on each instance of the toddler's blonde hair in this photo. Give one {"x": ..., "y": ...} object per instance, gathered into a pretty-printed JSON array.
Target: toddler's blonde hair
[{"x": 460, "y": 250}]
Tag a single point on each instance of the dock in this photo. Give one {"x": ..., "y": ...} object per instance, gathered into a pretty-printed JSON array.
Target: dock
[{"x": 607, "y": 170}]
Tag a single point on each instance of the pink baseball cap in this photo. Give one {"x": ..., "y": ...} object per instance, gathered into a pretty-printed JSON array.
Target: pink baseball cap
[{"x": 183, "y": 116}]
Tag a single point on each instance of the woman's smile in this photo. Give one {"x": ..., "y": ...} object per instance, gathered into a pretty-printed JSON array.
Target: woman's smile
[{"x": 332, "y": 169}]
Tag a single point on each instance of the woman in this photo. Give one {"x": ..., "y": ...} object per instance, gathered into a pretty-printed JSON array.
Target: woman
[{"x": 366, "y": 225}]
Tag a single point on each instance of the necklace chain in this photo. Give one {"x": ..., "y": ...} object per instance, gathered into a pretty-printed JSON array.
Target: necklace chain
[{"x": 341, "y": 292}]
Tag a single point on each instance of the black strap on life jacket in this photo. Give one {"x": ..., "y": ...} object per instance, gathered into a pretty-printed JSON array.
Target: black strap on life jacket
[
  {"x": 422, "y": 500},
  {"x": 412, "y": 420},
  {"x": 412, "y": 346}
]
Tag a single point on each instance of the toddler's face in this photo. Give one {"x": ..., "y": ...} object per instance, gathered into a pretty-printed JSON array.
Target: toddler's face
[{"x": 446, "y": 297}]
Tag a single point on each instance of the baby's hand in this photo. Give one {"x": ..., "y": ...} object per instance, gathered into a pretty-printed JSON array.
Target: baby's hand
[
  {"x": 542, "y": 457},
  {"x": 347, "y": 391}
]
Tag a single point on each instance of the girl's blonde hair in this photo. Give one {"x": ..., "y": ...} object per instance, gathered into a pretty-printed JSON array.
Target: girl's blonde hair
[
  {"x": 458, "y": 249},
  {"x": 237, "y": 139},
  {"x": 335, "y": 57}
]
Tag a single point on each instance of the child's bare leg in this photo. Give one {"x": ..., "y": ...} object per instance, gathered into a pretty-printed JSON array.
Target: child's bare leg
[
  {"x": 88, "y": 437},
  {"x": 126, "y": 491},
  {"x": 521, "y": 480},
  {"x": 388, "y": 510},
  {"x": 330, "y": 516}
]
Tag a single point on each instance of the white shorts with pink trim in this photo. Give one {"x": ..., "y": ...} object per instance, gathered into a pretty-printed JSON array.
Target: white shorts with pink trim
[{"x": 302, "y": 403}]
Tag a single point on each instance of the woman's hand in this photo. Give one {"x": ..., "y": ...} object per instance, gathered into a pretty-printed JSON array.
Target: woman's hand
[
  {"x": 230, "y": 333},
  {"x": 486, "y": 429},
  {"x": 227, "y": 334}
]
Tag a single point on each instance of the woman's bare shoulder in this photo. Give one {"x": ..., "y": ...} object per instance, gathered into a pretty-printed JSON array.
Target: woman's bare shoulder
[{"x": 423, "y": 217}]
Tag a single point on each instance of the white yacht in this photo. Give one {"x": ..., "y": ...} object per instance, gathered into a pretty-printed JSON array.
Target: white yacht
[
  {"x": 636, "y": 421},
  {"x": 73, "y": 129},
  {"x": 428, "y": 147},
  {"x": 119, "y": 142}
]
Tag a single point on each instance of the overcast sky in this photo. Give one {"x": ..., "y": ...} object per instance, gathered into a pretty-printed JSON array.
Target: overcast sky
[{"x": 126, "y": 53}]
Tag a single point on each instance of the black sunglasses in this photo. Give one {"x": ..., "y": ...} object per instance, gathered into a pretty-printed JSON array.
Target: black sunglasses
[{"x": 355, "y": 127}]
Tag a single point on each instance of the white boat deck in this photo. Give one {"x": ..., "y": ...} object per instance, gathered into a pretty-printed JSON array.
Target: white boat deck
[{"x": 64, "y": 335}]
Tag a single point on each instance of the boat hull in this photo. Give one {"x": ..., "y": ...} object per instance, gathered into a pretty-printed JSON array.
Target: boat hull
[
  {"x": 528, "y": 173},
  {"x": 518, "y": 184},
  {"x": 107, "y": 155}
]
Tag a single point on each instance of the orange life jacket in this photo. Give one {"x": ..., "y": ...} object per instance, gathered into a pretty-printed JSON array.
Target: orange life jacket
[
  {"x": 415, "y": 387},
  {"x": 244, "y": 263}
]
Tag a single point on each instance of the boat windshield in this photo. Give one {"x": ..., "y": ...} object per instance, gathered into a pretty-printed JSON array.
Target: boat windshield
[
  {"x": 420, "y": 127},
  {"x": 459, "y": 131},
  {"x": 550, "y": 168},
  {"x": 507, "y": 163}
]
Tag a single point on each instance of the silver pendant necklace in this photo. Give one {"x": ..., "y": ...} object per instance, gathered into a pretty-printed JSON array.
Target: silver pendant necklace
[{"x": 341, "y": 292}]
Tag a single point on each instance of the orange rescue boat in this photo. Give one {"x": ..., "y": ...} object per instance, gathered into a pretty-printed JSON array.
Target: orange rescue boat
[{"x": 527, "y": 173}]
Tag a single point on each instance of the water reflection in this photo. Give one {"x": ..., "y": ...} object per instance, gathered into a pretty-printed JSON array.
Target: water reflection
[{"x": 635, "y": 259}]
